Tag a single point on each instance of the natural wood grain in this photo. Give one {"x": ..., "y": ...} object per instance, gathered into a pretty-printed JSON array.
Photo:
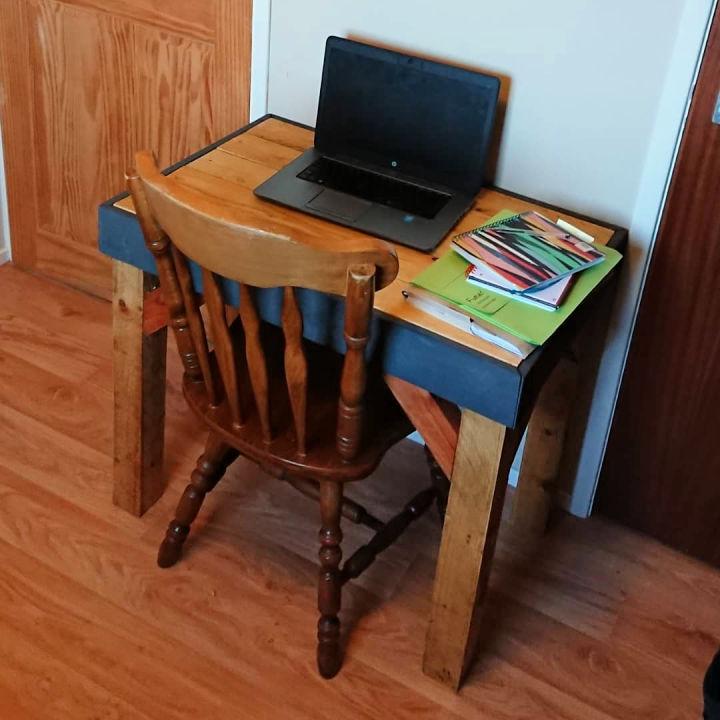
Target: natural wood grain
[
  {"x": 223, "y": 347},
  {"x": 358, "y": 309},
  {"x": 437, "y": 420},
  {"x": 77, "y": 264},
  {"x": 283, "y": 133},
  {"x": 479, "y": 478},
  {"x": 173, "y": 99},
  {"x": 225, "y": 165},
  {"x": 139, "y": 396},
  {"x": 248, "y": 146},
  {"x": 329, "y": 658},
  {"x": 24, "y": 697},
  {"x": 184, "y": 17},
  {"x": 70, "y": 136},
  {"x": 663, "y": 460},
  {"x": 295, "y": 366},
  {"x": 155, "y": 312},
  {"x": 209, "y": 470},
  {"x": 229, "y": 174},
  {"x": 159, "y": 244},
  {"x": 75, "y": 404},
  {"x": 255, "y": 356},
  {"x": 80, "y": 336},
  {"x": 196, "y": 324},
  {"x": 600, "y": 623},
  {"x": 172, "y": 76},
  {"x": 231, "y": 77}
]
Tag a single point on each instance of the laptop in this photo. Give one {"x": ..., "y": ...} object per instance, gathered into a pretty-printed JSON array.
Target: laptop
[{"x": 400, "y": 145}]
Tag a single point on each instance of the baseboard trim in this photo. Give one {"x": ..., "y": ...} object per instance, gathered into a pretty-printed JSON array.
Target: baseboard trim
[{"x": 4, "y": 255}]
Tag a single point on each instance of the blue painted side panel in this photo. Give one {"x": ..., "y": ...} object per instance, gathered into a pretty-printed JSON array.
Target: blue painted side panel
[
  {"x": 120, "y": 237},
  {"x": 450, "y": 371}
]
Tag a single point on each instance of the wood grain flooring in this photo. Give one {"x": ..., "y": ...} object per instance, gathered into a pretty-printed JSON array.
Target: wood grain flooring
[{"x": 597, "y": 623}]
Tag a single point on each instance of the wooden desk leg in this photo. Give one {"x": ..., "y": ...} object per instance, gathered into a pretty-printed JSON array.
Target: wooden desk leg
[
  {"x": 558, "y": 423},
  {"x": 543, "y": 452},
  {"x": 139, "y": 394},
  {"x": 478, "y": 483}
]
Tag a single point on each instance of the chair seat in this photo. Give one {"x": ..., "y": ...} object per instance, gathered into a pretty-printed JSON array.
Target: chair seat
[{"x": 385, "y": 423}]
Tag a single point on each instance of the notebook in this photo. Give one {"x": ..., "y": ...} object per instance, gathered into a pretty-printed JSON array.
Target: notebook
[
  {"x": 549, "y": 297},
  {"x": 525, "y": 252}
]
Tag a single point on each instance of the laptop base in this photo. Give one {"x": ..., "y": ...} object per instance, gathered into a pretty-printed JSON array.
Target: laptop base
[{"x": 286, "y": 188}]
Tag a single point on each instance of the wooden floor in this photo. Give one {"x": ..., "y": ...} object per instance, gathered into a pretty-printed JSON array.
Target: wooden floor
[{"x": 599, "y": 623}]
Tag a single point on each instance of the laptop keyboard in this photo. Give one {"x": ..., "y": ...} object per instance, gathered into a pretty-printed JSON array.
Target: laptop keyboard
[{"x": 377, "y": 188}]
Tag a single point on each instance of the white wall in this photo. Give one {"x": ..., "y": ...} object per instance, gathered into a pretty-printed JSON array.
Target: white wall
[
  {"x": 586, "y": 77},
  {"x": 260, "y": 58},
  {"x": 596, "y": 101},
  {"x": 4, "y": 222}
]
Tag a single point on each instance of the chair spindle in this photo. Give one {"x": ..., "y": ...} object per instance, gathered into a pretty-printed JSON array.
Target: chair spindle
[
  {"x": 255, "y": 359},
  {"x": 295, "y": 366},
  {"x": 159, "y": 245},
  {"x": 358, "y": 311},
  {"x": 195, "y": 322},
  {"x": 224, "y": 350}
]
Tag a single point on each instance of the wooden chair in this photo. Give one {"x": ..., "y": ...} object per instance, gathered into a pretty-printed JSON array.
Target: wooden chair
[{"x": 303, "y": 412}]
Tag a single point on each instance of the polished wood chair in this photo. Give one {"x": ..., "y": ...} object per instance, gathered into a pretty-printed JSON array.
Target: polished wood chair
[{"x": 303, "y": 412}]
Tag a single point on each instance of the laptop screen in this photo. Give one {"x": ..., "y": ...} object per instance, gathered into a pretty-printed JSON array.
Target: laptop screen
[{"x": 405, "y": 114}]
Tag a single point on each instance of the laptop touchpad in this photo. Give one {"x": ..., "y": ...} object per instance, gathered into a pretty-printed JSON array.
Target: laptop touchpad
[{"x": 340, "y": 205}]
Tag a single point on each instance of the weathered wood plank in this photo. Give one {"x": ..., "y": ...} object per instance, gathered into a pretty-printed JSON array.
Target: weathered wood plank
[
  {"x": 139, "y": 395},
  {"x": 472, "y": 520}
]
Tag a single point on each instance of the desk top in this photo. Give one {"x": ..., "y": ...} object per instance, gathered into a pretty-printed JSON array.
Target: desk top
[{"x": 230, "y": 171}]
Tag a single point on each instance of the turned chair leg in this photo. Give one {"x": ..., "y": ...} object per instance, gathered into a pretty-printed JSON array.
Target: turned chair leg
[
  {"x": 211, "y": 466},
  {"x": 329, "y": 658}
]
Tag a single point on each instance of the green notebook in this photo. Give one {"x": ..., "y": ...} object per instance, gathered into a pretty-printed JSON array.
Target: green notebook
[{"x": 446, "y": 277}]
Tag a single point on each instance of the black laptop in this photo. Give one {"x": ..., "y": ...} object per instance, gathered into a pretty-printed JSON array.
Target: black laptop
[{"x": 400, "y": 145}]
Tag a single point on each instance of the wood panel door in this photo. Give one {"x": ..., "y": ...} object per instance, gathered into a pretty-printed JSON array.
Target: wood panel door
[
  {"x": 86, "y": 83},
  {"x": 662, "y": 467}
]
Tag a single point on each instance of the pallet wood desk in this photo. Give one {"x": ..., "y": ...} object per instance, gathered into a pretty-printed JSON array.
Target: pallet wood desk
[{"x": 429, "y": 364}]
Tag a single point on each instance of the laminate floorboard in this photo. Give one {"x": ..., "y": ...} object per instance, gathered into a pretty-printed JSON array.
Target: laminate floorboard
[{"x": 596, "y": 622}]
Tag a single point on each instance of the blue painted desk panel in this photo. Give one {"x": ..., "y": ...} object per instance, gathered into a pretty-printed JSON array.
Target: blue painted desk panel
[{"x": 467, "y": 378}]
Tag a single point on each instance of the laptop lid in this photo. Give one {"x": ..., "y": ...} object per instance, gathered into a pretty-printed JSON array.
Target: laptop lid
[{"x": 413, "y": 116}]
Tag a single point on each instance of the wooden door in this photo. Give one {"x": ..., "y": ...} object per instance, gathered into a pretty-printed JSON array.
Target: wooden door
[
  {"x": 86, "y": 83},
  {"x": 662, "y": 468}
]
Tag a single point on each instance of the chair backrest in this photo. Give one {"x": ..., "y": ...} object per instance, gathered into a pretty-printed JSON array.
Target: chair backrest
[{"x": 181, "y": 224}]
